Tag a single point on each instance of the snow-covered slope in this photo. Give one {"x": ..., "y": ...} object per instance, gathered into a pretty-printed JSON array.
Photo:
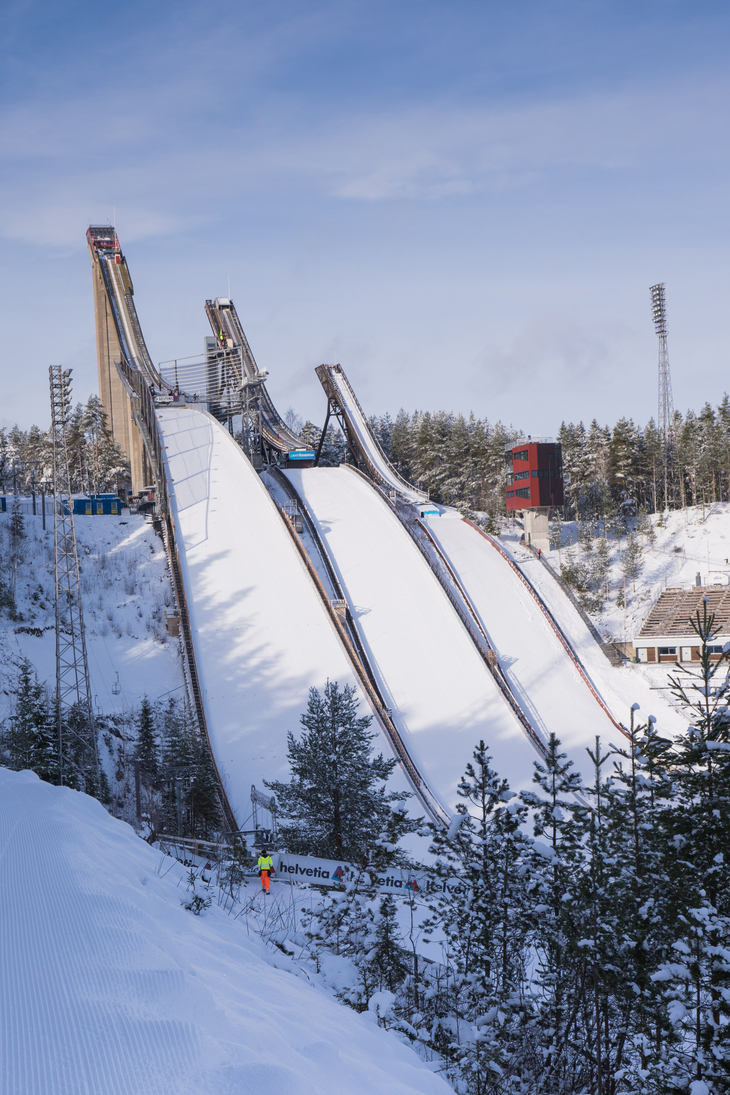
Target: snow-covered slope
[
  {"x": 442, "y": 695},
  {"x": 619, "y": 687},
  {"x": 110, "y": 987},
  {"x": 542, "y": 676},
  {"x": 262, "y": 636},
  {"x": 125, "y": 588}
]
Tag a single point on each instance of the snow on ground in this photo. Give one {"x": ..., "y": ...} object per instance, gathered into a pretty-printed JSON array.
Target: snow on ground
[
  {"x": 542, "y": 676},
  {"x": 262, "y": 635},
  {"x": 619, "y": 688},
  {"x": 442, "y": 695},
  {"x": 688, "y": 542},
  {"x": 125, "y": 589},
  {"x": 109, "y": 985}
]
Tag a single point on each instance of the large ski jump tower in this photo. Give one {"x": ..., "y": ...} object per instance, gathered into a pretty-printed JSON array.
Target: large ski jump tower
[
  {"x": 109, "y": 267},
  {"x": 666, "y": 402}
]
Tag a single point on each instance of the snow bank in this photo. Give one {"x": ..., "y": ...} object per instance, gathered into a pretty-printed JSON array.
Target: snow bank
[
  {"x": 125, "y": 588},
  {"x": 542, "y": 676},
  {"x": 620, "y": 688},
  {"x": 109, "y": 985}
]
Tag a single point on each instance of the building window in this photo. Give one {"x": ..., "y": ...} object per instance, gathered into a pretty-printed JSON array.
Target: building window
[
  {"x": 510, "y": 479},
  {"x": 524, "y": 493},
  {"x": 510, "y": 494},
  {"x": 520, "y": 455},
  {"x": 522, "y": 475},
  {"x": 714, "y": 650},
  {"x": 666, "y": 651}
]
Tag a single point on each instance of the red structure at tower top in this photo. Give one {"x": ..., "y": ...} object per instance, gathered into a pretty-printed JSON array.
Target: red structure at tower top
[{"x": 534, "y": 474}]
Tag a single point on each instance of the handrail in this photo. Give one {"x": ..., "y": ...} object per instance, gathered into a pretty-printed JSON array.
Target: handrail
[
  {"x": 552, "y": 621},
  {"x": 424, "y": 793},
  {"x": 326, "y": 375},
  {"x": 573, "y": 599},
  {"x": 293, "y": 494},
  {"x": 494, "y": 670}
]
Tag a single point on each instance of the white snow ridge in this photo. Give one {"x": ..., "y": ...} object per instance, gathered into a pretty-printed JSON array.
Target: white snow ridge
[{"x": 110, "y": 987}]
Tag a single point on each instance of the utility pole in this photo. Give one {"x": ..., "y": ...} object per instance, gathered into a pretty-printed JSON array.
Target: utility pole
[
  {"x": 73, "y": 686},
  {"x": 665, "y": 420}
]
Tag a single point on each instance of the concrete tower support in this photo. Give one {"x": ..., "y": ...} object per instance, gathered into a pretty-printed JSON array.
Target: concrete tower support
[{"x": 113, "y": 395}]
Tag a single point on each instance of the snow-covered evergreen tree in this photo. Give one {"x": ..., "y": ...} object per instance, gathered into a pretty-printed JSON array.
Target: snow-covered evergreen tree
[{"x": 337, "y": 806}]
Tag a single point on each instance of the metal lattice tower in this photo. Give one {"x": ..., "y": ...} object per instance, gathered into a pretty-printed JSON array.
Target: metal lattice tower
[
  {"x": 666, "y": 402},
  {"x": 73, "y": 686}
]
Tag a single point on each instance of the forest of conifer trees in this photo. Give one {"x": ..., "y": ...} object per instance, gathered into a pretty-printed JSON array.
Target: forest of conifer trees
[
  {"x": 608, "y": 470},
  {"x": 96, "y": 462}
]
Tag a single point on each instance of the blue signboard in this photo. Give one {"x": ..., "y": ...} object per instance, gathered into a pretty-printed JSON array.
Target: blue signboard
[{"x": 302, "y": 454}]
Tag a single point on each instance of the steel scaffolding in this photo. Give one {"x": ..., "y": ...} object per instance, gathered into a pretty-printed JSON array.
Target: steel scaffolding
[{"x": 73, "y": 686}]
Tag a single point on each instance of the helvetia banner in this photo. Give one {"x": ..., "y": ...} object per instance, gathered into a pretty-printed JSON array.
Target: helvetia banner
[{"x": 330, "y": 872}]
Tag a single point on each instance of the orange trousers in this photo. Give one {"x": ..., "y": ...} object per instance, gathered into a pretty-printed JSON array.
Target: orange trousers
[{"x": 265, "y": 880}]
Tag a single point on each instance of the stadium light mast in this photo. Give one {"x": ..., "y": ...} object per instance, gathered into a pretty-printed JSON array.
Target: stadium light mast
[{"x": 665, "y": 419}]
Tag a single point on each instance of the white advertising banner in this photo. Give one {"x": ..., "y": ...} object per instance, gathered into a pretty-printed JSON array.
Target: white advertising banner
[{"x": 330, "y": 872}]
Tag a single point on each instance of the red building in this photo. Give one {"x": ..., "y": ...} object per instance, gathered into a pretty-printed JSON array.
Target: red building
[{"x": 534, "y": 474}]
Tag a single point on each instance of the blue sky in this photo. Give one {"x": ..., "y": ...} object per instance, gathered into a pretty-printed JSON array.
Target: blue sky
[{"x": 464, "y": 203}]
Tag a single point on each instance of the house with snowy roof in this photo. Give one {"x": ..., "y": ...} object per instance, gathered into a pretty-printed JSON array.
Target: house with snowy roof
[{"x": 667, "y": 634}]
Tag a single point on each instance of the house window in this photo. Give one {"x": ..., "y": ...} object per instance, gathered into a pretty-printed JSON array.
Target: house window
[
  {"x": 522, "y": 475},
  {"x": 667, "y": 651},
  {"x": 524, "y": 493},
  {"x": 510, "y": 494},
  {"x": 522, "y": 455},
  {"x": 510, "y": 480}
]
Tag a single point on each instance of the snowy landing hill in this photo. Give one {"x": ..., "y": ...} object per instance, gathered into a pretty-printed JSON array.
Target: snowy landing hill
[
  {"x": 110, "y": 986},
  {"x": 125, "y": 589},
  {"x": 687, "y": 542}
]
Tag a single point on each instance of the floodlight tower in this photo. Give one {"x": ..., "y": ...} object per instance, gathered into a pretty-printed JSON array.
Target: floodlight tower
[
  {"x": 665, "y": 419},
  {"x": 73, "y": 686}
]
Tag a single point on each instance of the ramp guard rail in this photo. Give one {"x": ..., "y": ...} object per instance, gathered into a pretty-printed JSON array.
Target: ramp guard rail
[
  {"x": 565, "y": 642},
  {"x": 607, "y": 648},
  {"x": 364, "y": 674},
  {"x": 332, "y": 377},
  {"x": 143, "y": 412},
  {"x": 474, "y": 630}
]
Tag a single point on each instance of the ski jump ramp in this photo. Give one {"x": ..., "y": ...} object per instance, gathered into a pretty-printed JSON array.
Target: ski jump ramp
[
  {"x": 442, "y": 694},
  {"x": 543, "y": 677},
  {"x": 261, "y": 634}
]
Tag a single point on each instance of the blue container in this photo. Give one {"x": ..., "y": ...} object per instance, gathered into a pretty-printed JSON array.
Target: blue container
[{"x": 102, "y": 505}]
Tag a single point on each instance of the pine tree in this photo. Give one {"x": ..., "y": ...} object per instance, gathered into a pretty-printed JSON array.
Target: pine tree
[
  {"x": 560, "y": 821},
  {"x": 481, "y": 1014},
  {"x": 388, "y": 958},
  {"x": 17, "y": 524},
  {"x": 631, "y": 559},
  {"x": 147, "y": 750},
  {"x": 30, "y": 741},
  {"x": 695, "y": 973},
  {"x": 336, "y": 805}
]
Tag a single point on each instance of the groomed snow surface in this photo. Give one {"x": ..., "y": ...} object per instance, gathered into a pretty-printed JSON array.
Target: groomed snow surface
[
  {"x": 543, "y": 678},
  {"x": 261, "y": 633},
  {"x": 110, "y": 987},
  {"x": 621, "y": 687},
  {"x": 442, "y": 695}
]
